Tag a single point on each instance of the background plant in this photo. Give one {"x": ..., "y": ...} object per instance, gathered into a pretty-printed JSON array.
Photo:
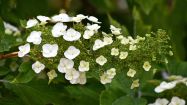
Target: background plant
[{"x": 137, "y": 17}]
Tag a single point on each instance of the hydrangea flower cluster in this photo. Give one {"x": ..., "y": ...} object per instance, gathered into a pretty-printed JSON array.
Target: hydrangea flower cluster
[
  {"x": 174, "y": 101},
  {"x": 76, "y": 47}
]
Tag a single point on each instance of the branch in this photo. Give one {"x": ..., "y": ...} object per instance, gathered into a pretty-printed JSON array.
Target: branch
[{"x": 10, "y": 55}]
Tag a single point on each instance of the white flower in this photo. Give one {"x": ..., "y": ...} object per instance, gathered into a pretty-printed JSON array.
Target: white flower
[
  {"x": 146, "y": 66},
  {"x": 131, "y": 73},
  {"x": 51, "y": 74},
  {"x": 72, "y": 35},
  {"x": 93, "y": 19},
  {"x": 171, "y": 53},
  {"x": 107, "y": 40},
  {"x": 123, "y": 55},
  {"x": 101, "y": 60},
  {"x": 111, "y": 73},
  {"x": 23, "y": 50},
  {"x": 88, "y": 34},
  {"x": 105, "y": 79},
  {"x": 165, "y": 86},
  {"x": 11, "y": 29},
  {"x": 43, "y": 19},
  {"x": 98, "y": 44},
  {"x": 177, "y": 101},
  {"x": 158, "y": 89},
  {"x": 65, "y": 64},
  {"x": 63, "y": 17},
  {"x": 31, "y": 23},
  {"x": 38, "y": 67},
  {"x": 132, "y": 47},
  {"x": 160, "y": 101},
  {"x": 120, "y": 37},
  {"x": 124, "y": 41},
  {"x": 93, "y": 27},
  {"x": 114, "y": 30},
  {"x": 80, "y": 80},
  {"x": 71, "y": 74},
  {"x": 135, "y": 84},
  {"x": 49, "y": 50},
  {"x": 79, "y": 18},
  {"x": 58, "y": 29},
  {"x": 115, "y": 51},
  {"x": 35, "y": 37},
  {"x": 71, "y": 52},
  {"x": 84, "y": 66}
]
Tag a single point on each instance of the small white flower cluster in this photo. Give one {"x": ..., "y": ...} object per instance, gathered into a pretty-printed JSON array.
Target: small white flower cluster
[
  {"x": 71, "y": 74},
  {"x": 107, "y": 40},
  {"x": 174, "y": 101},
  {"x": 170, "y": 85},
  {"x": 122, "y": 54},
  {"x": 130, "y": 41},
  {"x": 108, "y": 76},
  {"x": 51, "y": 50}
]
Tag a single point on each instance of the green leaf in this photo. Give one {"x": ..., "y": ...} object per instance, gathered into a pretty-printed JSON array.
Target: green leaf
[
  {"x": 10, "y": 101},
  {"x": 120, "y": 86},
  {"x": 4, "y": 71},
  {"x": 26, "y": 73},
  {"x": 2, "y": 29},
  {"x": 38, "y": 92},
  {"x": 177, "y": 68},
  {"x": 107, "y": 97},
  {"x": 127, "y": 100},
  {"x": 140, "y": 28},
  {"x": 147, "y": 5}
]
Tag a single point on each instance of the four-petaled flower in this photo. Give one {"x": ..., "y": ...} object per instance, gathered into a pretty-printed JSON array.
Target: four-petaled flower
[
  {"x": 131, "y": 72},
  {"x": 72, "y": 74},
  {"x": 31, "y": 23},
  {"x": 35, "y": 37},
  {"x": 65, "y": 64},
  {"x": 84, "y": 66},
  {"x": 38, "y": 67},
  {"x": 23, "y": 50},
  {"x": 49, "y": 50},
  {"x": 146, "y": 66},
  {"x": 72, "y": 52},
  {"x": 101, "y": 60},
  {"x": 58, "y": 29},
  {"x": 72, "y": 35}
]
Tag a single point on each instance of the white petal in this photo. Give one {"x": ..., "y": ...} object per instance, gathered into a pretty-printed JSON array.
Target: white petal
[
  {"x": 38, "y": 66},
  {"x": 23, "y": 50},
  {"x": 72, "y": 52},
  {"x": 35, "y": 37},
  {"x": 93, "y": 19},
  {"x": 59, "y": 29},
  {"x": 65, "y": 64},
  {"x": 49, "y": 50},
  {"x": 61, "y": 18},
  {"x": 72, "y": 35},
  {"x": 31, "y": 23}
]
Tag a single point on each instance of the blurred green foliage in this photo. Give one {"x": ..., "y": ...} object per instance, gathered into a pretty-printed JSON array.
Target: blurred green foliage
[{"x": 136, "y": 17}]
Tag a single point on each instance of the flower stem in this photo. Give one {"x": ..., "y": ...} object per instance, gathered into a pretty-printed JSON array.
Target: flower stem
[{"x": 10, "y": 55}]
